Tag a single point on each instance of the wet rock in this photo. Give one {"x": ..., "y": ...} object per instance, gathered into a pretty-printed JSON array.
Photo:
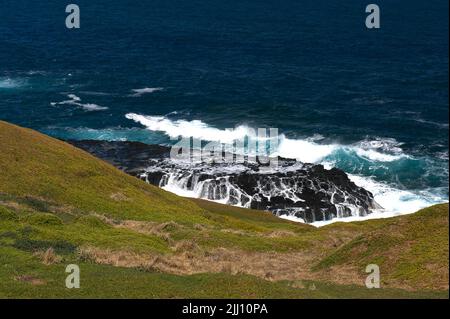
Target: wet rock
[{"x": 306, "y": 191}]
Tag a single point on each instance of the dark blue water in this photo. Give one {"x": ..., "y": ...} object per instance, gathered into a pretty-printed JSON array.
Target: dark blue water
[{"x": 372, "y": 102}]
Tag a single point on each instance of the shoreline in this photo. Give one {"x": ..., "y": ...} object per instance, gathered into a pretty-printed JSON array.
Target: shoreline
[{"x": 134, "y": 158}]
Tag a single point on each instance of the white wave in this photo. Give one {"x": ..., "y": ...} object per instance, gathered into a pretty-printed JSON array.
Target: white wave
[
  {"x": 303, "y": 150},
  {"x": 384, "y": 144},
  {"x": 94, "y": 93},
  {"x": 316, "y": 137},
  {"x": 139, "y": 92},
  {"x": 173, "y": 187},
  {"x": 395, "y": 202},
  {"x": 36, "y": 72},
  {"x": 180, "y": 191},
  {"x": 293, "y": 218},
  {"x": 443, "y": 155},
  {"x": 432, "y": 123},
  {"x": 8, "y": 83},
  {"x": 373, "y": 155},
  {"x": 195, "y": 129},
  {"x": 93, "y": 107},
  {"x": 75, "y": 100},
  {"x": 380, "y": 150},
  {"x": 306, "y": 150},
  {"x": 108, "y": 134}
]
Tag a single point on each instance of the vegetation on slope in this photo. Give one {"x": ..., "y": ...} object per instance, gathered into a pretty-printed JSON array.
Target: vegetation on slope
[
  {"x": 414, "y": 248},
  {"x": 59, "y": 205}
]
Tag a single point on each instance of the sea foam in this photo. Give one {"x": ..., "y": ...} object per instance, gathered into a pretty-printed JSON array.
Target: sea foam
[
  {"x": 395, "y": 202},
  {"x": 378, "y": 152},
  {"x": 304, "y": 150},
  {"x": 195, "y": 128},
  {"x": 76, "y": 100},
  {"x": 8, "y": 83},
  {"x": 140, "y": 92}
]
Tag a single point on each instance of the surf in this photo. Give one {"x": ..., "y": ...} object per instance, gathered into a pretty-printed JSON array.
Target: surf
[
  {"x": 379, "y": 165},
  {"x": 9, "y": 83}
]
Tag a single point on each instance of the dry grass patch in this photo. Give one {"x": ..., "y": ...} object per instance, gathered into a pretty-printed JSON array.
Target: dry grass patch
[
  {"x": 48, "y": 257},
  {"x": 117, "y": 258},
  {"x": 272, "y": 234},
  {"x": 161, "y": 230},
  {"x": 30, "y": 279},
  {"x": 186, "y": 246},
  {"x": 106, "y": 219},
  {"x": 11, "y": 205},
  {"x": 298, "y": 284},
  {"x": 200, "y": 227},
  {"x": 235, "y": 232},
  {"x": 280, "y": 234},
  {"x": 119, "y": 197},
  {"x": 189, "y": 259}
]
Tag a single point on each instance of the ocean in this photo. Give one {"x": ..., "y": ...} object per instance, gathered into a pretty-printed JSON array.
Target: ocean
[{"x": 372, "y": 102}]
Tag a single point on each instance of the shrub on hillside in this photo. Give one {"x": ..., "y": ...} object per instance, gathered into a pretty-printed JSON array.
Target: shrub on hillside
[
  {"x": 6, "y": 214},
  {"x": 44, "y": 219}
]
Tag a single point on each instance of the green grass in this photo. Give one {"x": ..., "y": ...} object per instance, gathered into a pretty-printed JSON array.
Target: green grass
[
  {"x": 249, "y": 219},
  {"x": 54, "y": 197},
  {"x": 100, "y": 281},
  {"x": 36, "y": 166},
  {"x": 414, "y": 248}
]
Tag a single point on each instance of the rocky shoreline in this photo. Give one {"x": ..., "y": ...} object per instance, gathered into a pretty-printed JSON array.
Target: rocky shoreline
[{"x": 296, "y": 189}]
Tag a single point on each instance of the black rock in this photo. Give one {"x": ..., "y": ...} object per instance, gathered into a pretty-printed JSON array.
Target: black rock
[{"x": 306, "y": 191}]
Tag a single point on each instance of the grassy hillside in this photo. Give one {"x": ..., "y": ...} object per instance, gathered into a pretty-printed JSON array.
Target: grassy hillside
[{"x": 59, "y": 205}]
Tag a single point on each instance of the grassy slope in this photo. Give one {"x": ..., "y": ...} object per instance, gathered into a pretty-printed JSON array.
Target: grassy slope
[
  {"x": 414, "y": 248},
  {"x": 54, "y": 196},
  {"x": 36, "y": 165}
]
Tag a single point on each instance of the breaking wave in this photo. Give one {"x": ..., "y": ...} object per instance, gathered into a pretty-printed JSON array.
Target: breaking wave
[
  {"x": 196, "y": 129},
  {"x": 304, "y": 150},
  {"x": 140, "y": 92},
  {"x": 395, "y": 202},
  {"x": 378, "y": 165},
  {"x": 75, "y": 100},
  {"x": 9, "y": 83}
]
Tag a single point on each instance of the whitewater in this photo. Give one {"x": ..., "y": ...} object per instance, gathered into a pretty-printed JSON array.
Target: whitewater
[{"x": 395, "y": 198}]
